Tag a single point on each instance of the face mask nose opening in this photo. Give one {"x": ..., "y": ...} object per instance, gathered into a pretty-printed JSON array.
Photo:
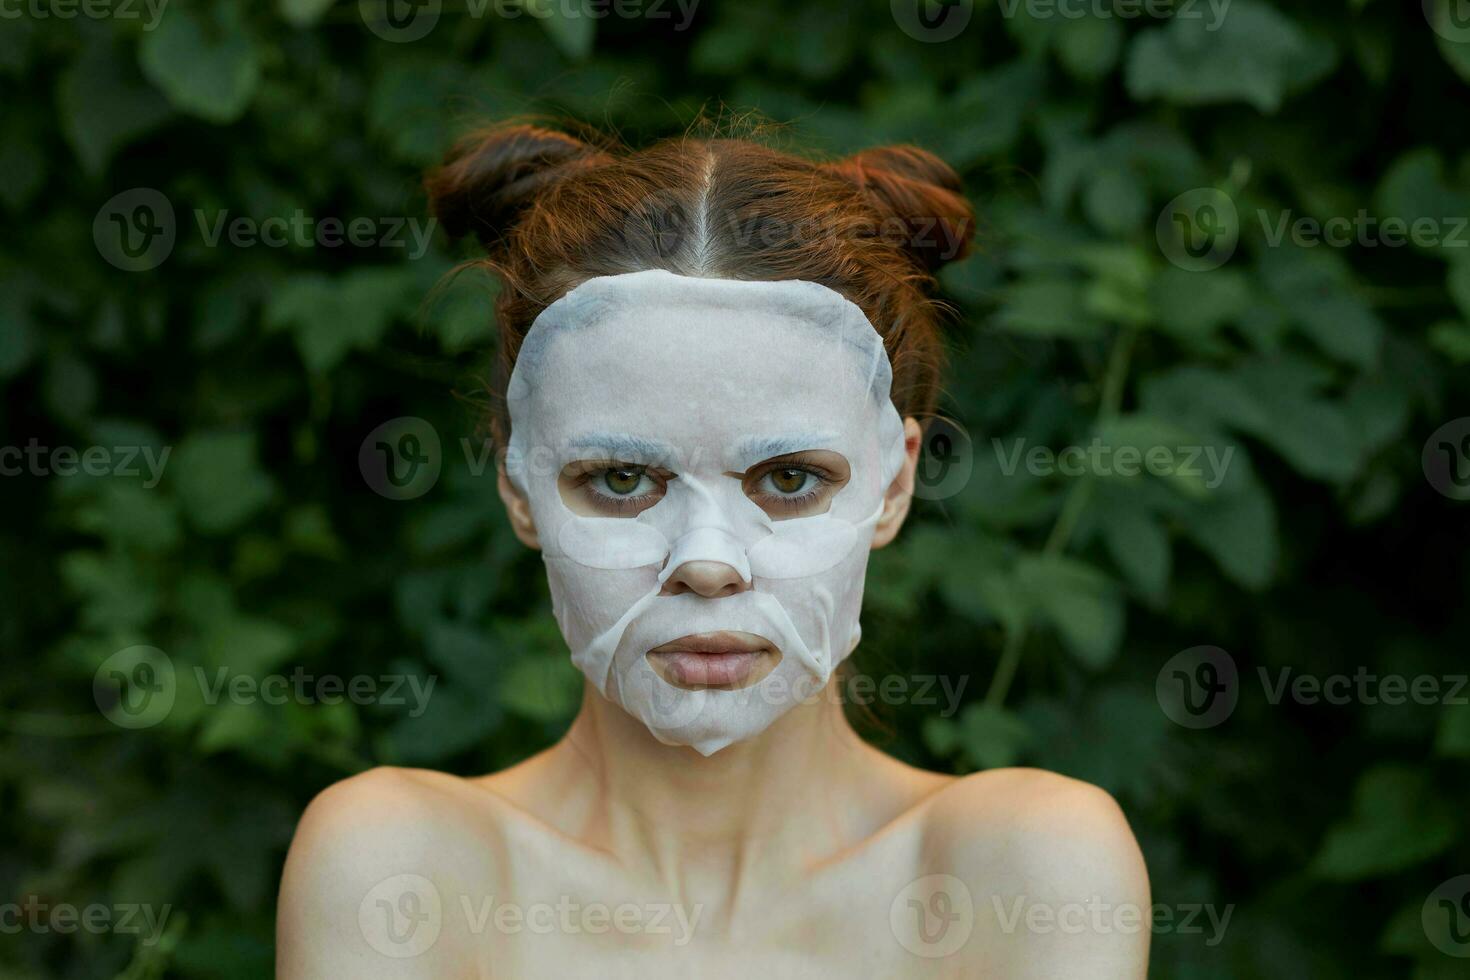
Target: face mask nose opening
[{"x": 707, "y": 561}]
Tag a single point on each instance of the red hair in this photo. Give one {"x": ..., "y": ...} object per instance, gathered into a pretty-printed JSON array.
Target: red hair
[{"x": 553, "y": 210}]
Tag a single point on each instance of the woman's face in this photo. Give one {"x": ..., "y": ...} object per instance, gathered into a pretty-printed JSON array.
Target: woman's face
[{"x": 704, "y": 461}]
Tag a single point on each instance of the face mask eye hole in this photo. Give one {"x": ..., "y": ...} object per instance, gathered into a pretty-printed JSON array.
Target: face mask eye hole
[
  {"x": 797, "y": 484},
  {"x": 607, "y": 488}
]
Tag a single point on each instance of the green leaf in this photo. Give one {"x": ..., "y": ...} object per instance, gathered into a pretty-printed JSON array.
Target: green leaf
[
  {"x": 995, "y": 106},
  {"x": 974, "y": 582},
  {"x": 463, "y": 313},
  {"x": 207, "y": 67},
  {"x": 130, "y": 515},
  {"x": 456, "y": 718},
  {"x": 329, "y": 317},
  {"x": 218, "y": 479},
  {"x": 22, "y": 164},
  {"x": 308, "y": 530},
  {"x": 409, "y": 106},
  {"x": 232, "y": 725},
  {"x": 1116, "y": 202},
  {"x": 1082, "y": 604},
  {"x": 303, "y": 13},
  {"x": 1140, "y": 445},
  {"x": 1458, "y": 284},
  {"x": 733, "y": 42},
  {"x": 1313, "y": 434},
  {"x": 118, "y": 592},
  {"x": 1195, "y": 394},
  {"x": 1450, "y": 337},
  {"x": 19, "y": 338},
  {"x": 1139, "y": 545},
  {"x": 569, "y": 24},
  {"x": 543, "y": 687},
  {"x": 1191, "y": 306},
  {"x": 1113, "y": 736},
  {"x": 1449, "y": 35},
  {"x": 1415, "y": 189},
  {"x": 105, "y": 105},
  {"x": 992, "y": 737},
  {"x": 1317, "y": 289},
  {"x": 1239, "y": 532},
  {"x": 1088, "y": 47},
  {"x": 1047, "y": 307},
  {"x": 1398, "y": 820},
  {"x": 1252, "y": 54},
  {"x": 249, "y": 646},
  {"x": 1454, "y": 732}
]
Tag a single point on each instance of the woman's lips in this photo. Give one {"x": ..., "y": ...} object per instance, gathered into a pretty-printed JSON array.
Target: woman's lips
[{"x": 722, "y": 659}]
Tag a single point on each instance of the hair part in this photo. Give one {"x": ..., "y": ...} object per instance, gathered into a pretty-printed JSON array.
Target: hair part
[{"x": 553, "y": 210}]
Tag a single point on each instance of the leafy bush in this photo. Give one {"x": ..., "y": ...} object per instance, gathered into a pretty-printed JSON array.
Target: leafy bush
[{"x": 1146, "y": 282}]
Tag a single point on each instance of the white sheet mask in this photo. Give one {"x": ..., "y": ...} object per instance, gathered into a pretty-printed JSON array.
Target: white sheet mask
[{"x": 704, "y": 378}]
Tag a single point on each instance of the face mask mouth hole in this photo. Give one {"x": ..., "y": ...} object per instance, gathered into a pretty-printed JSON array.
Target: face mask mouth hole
[{"x": 721, "y": 661}]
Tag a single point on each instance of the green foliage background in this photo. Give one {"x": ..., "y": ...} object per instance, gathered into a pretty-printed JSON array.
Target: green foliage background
[{"x": 263, "y": 370}]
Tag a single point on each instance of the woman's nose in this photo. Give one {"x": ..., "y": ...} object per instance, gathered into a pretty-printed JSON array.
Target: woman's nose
[
  {"x": 706, "y": 561},
  {"x": 711, "y": 579}
]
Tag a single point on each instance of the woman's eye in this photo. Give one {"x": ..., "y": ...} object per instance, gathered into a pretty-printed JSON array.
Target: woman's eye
[
  {"x": 605, "y": 488},
  {"x": 797, "y": 484},
  {"x": 623, "y": 482},
  {"x": 789, "y": 480}
]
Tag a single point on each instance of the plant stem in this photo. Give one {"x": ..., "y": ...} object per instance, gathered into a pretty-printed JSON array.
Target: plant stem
[{"x": 1109, "y": 404}]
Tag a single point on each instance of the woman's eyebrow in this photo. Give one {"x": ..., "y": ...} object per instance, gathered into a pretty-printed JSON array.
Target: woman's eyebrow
[
  {"x": 622, "y": 446},
  {"x": 754, "y": 449}
]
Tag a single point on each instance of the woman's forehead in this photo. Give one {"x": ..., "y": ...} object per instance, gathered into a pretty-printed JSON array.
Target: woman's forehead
[
  {"x": 716, "y": 375},
  {"x": 694, "y": 325},
  {"x": 652, "y": 366}
]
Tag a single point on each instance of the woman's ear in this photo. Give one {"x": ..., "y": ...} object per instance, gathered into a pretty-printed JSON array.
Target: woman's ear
[
  {"x": 518, "y": 509},
  {"x": 900, "y": 493}
]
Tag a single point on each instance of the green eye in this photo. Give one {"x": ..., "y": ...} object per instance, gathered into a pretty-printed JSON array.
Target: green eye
[
  {"x": 789, "y": 480},
  {"x": 622, "y": 482}
]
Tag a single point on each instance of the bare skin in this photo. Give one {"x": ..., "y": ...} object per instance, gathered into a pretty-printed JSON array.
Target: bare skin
[{"x": 801, "y": 852}]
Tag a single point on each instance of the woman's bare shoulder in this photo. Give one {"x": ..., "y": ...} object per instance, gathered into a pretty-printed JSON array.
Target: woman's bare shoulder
[
  {"x": 1030, "y": 820},
  {"x": 371, "y": 858},
  {"x": 1051, "y": 868}
]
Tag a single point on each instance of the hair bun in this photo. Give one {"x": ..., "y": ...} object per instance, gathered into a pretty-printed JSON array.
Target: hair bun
[
  {"x": 922, "y": 192},
  {"x": 491, "y": 176}
]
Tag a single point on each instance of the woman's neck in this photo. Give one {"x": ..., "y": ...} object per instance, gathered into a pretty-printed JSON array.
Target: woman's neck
[{"x": 801, "y": 791}]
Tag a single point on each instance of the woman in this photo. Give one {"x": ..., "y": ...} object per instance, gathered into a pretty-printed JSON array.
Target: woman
[{"x": 713, "y": 355}]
